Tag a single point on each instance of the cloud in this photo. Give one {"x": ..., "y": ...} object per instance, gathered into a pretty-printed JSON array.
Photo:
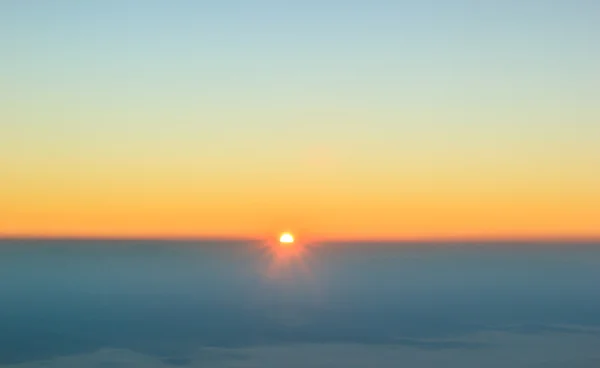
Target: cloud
[
  {"x": 440, "y": 344},
  {"x": 532, "y": 328},
  {"x": 502, "y": 349},
  {"x": 114, "y": 358},
  {"x": 574, "y": 363}
]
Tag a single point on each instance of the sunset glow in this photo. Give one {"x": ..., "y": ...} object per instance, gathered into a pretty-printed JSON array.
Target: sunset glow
[
  {"x": 286, "y": 238},
  {"x": 223, "y": 127},
  {"x": 285, "y": 258}
]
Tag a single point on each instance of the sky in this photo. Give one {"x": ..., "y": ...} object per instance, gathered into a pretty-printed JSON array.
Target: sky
[{"x": 338, "y": 119}]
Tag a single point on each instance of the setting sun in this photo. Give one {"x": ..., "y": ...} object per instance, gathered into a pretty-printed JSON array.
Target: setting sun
[{"x": 286, "y": 238}]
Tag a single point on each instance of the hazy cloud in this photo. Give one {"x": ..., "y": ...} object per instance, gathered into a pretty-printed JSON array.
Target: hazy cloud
[{"x": 549, "y": 350}]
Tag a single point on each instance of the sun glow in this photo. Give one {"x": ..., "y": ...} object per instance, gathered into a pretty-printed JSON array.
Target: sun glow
[
  {"x": 285, "y": 258},
  {"x": 286, "y": 238}
]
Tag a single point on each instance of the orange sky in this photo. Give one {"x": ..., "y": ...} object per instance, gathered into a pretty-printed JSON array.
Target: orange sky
[
  {"x": 384, "y": 205},
  {"x": 362, "y": 123}
]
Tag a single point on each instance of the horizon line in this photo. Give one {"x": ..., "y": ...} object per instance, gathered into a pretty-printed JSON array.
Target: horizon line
[{"x": 323, "y": 240}]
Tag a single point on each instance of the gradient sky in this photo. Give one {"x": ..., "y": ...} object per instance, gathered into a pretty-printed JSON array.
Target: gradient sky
[{"x": 339, "y": 118}]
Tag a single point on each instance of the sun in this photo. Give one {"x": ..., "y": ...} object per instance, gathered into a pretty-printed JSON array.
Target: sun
[{"x": 286, "y": 238}]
